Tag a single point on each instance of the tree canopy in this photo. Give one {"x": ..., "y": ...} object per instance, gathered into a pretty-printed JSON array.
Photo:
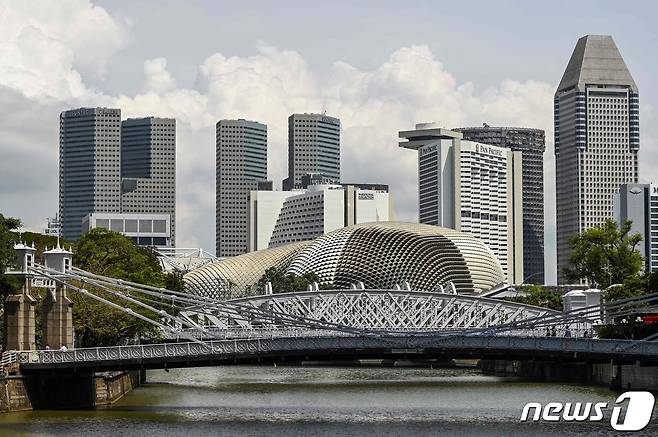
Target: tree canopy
[
  {"x": 112, "y": 254},
  {"x": 7, "y": 255},
  {"x": 285, "y": 283},
  {"x": 605, "y": 255},
  {"x": 539, "y": 296}
]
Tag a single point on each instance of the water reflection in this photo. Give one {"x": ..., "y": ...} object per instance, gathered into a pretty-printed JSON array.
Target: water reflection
[{"x": 318, "y": 401}]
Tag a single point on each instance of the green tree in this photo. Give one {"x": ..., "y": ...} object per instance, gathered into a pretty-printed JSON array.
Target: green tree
[
  {"x": 286, "y": 283},
  {"x": 605, "y": 255},
  {"x": 111, "y": 254},
  {"x": 8, "y": 284},
  {"x": 539, "y": 296}
]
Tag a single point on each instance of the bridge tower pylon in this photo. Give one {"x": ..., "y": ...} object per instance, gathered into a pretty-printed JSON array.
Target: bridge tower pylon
[
  {"x": 19, "y": 321},
  {"x": 57, "y": 309}
]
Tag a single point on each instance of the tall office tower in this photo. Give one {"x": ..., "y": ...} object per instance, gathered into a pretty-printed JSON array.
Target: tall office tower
[
  {"x": 241, "y": 166},
  {"x": 639, "y": 203},
  {"x": 89, "y": 166},
  {"x": 597, "y": 138},
  {"x": 471, "y": 187},
  {"x": 148, "y": 168},
  {"x": 531, "y": 144},
  {"x": 313, "y": 147}
]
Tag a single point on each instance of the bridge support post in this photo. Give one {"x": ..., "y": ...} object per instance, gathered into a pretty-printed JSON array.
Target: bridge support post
[
  {"x": 57, "y": 310},
  {"x": 19, "y": 322},
  {"x": 57, "y": 318}
]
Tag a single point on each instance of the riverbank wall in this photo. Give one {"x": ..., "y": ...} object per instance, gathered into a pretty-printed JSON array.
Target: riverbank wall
[
  {"x": 61, "y": 392},
  {"x": 629, "y": 376}
]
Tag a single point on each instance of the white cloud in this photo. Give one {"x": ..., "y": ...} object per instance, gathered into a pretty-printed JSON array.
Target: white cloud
[{"x": 47, "y": 47}]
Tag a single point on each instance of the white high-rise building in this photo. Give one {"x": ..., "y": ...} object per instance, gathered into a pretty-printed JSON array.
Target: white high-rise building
[
  {"x": 471, "y": 187},
  {"x": 597, "y": 139},
  {"x": 281, "y": 217}
]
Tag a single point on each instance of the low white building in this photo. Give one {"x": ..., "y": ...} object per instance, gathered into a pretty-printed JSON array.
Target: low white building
[
  {"x": 144, "y": 229},
  {"x": 281, "y": 217}
]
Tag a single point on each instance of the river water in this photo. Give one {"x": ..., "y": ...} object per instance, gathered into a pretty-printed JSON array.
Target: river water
[{"x": 309, "y": 401}]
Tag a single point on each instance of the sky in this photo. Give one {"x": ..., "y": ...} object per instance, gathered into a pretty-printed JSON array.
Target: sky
[{"x": 380, "y": 66}]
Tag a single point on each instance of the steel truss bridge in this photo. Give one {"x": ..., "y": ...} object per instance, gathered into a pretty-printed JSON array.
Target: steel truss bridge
[{"x": 332, "y": 323}]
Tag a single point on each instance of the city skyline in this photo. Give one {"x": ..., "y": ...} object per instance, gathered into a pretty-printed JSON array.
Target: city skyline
[{"x": 410, "y": 78}]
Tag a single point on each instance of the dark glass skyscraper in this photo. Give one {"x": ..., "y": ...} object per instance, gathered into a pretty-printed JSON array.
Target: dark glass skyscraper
[
  {"x": 313, "y": 147},
  {"x": 89, "y": 165},
  {"x": 531, "y": 143},
  {"x": 148, "y": 167},
  {"x": 109, "y": 166}
]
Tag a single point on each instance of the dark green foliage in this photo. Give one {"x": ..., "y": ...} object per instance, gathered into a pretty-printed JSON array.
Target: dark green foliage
[
  {"x": 629, "y": 326},
  {"x": 539, "y": 296},
  {"x": 285, "y": 283},
  {"x": 112, "y": 254},
  {"x": 174, "y": 281},
  {"x": 605, "y": 255},
  {"x": 8, "y": 284}
]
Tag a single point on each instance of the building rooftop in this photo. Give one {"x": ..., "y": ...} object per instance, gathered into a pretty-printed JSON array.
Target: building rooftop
[{"x": 596, "y": 60}]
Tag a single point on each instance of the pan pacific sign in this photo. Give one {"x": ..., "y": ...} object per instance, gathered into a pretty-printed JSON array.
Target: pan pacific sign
[{"x": 488, "y": 150}]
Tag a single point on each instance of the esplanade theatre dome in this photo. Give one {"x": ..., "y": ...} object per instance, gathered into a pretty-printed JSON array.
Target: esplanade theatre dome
[{"x": 380, "y": 255}]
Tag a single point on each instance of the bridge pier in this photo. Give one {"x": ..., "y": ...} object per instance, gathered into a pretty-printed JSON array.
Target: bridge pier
[
  {"x": 57, "y": 319},
  {"x": 57, "y": 310},
  {"x": 19, "y": 322}
]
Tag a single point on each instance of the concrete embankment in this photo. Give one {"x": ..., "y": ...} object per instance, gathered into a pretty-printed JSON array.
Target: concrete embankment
[
  {"x": 629, "y": 376},
  {"x": 59, "y": 392}
]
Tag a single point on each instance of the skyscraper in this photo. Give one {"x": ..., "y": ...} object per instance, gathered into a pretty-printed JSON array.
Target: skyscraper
[
  {"x": 148, "y": 167},
  {"x": 597, "y": 138},
  {"x": 531, "y": 144},
  {"x": 241, "y": 166},
  {"x": 313, "y": 147},
  {"x": 89, "y": 165},
  {"x": 471, "y": 187}
]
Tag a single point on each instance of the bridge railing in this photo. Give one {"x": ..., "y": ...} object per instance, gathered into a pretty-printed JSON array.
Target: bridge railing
[
  {"x": 8, "y": 357},
  {"x": 218, "y": 349},
  {"x": 280, "y": 331}
]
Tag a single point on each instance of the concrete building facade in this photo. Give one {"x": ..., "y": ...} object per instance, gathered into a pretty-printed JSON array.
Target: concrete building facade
[
  {"x": 639, "y": 203},
  {"x": 471, "y": 187},
  {"x": 532, "y": 144},
  {"x": 313, "y": 147},
  {"x": 597, "y": 138},
  {"x": 241, "y": 167},
  {"x": 148, "y": 168},
  {"x": 144, "y": 229},
  {"x": 282, "y": 217},
  {"x": 89, "y": 166}
]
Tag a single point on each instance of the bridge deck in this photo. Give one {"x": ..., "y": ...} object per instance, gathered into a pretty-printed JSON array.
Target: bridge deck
[{"x": 336, "y": 347}]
